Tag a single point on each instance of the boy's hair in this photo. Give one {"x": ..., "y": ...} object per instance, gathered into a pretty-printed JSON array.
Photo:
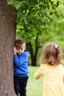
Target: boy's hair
[
  {"x": 51, "y": 54},
  {"x": 18, "y": 43}
]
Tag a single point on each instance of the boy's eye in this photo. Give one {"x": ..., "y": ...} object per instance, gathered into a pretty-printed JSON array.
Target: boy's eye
[{"x": 21, "y": 48}]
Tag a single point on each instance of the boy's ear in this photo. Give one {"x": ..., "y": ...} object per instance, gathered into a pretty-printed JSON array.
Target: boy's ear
[{"x": 25, "y": 47}]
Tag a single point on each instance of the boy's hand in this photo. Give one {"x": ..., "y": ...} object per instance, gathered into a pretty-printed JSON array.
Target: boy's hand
[{"x": 15, "y": 50}]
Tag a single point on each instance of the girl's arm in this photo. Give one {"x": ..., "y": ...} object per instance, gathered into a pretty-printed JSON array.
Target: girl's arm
[{"x": 38, "y": 73}]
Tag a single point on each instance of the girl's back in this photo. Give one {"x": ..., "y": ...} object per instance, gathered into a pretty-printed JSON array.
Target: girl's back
[
  {"x": 53, "y": 79},
  {"x": 53, "y": 74}
]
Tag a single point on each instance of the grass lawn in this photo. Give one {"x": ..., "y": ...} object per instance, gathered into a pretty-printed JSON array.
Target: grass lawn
[{"x": 34, "y": 87}]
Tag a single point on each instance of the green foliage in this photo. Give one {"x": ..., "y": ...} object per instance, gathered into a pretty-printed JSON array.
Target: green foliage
[
  {"x": 33, "y": 16},
  {"x": 39, "y": 21}
]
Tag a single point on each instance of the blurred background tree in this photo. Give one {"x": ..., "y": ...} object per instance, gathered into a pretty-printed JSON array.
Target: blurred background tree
[{"x": 39, "y": 21}]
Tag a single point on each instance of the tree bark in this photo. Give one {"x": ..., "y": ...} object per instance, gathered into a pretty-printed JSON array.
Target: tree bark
[{"x": 7, "y": 37}]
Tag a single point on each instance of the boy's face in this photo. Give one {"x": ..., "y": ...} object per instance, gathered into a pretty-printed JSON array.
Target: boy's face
[{"x": 21, "y": 50}]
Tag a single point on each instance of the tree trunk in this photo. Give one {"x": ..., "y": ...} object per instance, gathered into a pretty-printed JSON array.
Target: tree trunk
[
  {"x": 32, "y": 53},
  {"x": 7, "y": 36},
  {"x": 34, "y": 60}
]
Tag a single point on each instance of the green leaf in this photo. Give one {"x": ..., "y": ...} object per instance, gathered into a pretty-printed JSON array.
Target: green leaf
[
  {"x": 17, "y": 4},
  {"x": 10, "y": 2}
]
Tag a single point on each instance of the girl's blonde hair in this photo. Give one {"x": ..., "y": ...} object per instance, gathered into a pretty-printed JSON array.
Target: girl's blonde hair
[{"x": 51, "y": 54}]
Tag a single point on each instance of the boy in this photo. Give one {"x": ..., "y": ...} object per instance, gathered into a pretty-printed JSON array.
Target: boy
[{"x": 20, "y": 67}]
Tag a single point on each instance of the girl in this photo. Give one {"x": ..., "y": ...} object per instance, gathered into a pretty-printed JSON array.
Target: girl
[{"x": 52, "y": 70}]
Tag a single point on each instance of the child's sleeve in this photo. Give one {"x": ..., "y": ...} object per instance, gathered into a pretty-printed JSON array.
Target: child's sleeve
[
  {"x": 38, "y": 73},
  {"x": 19, "y": 61},
  {"x": 16, "y": 60}
]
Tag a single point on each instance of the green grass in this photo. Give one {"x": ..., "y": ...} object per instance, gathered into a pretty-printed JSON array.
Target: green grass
[{"x": 34, "y": 87}]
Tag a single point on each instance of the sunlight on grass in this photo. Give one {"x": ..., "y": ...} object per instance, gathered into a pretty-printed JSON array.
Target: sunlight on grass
[{"x": 34, "y": 87}]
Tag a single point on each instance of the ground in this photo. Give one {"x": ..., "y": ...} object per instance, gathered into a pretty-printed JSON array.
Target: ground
[{"x": 34, "y": 87}]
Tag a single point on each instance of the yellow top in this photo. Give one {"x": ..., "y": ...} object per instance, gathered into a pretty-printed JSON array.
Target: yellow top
[{"x": 53, "y": 79}]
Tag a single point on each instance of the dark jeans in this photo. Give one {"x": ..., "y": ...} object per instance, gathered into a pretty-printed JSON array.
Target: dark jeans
[{"x": 20, "y": 84}]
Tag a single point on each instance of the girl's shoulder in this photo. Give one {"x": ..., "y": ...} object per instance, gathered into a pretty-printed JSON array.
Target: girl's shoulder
[
  {"x": 43, "y": 66},
  {"x": 47, "y": 66},
  {"x": 51, "y": 66}
]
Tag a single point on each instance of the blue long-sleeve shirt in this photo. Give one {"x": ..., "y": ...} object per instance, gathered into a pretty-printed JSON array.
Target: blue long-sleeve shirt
[{"x": 21, "y": 64}]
